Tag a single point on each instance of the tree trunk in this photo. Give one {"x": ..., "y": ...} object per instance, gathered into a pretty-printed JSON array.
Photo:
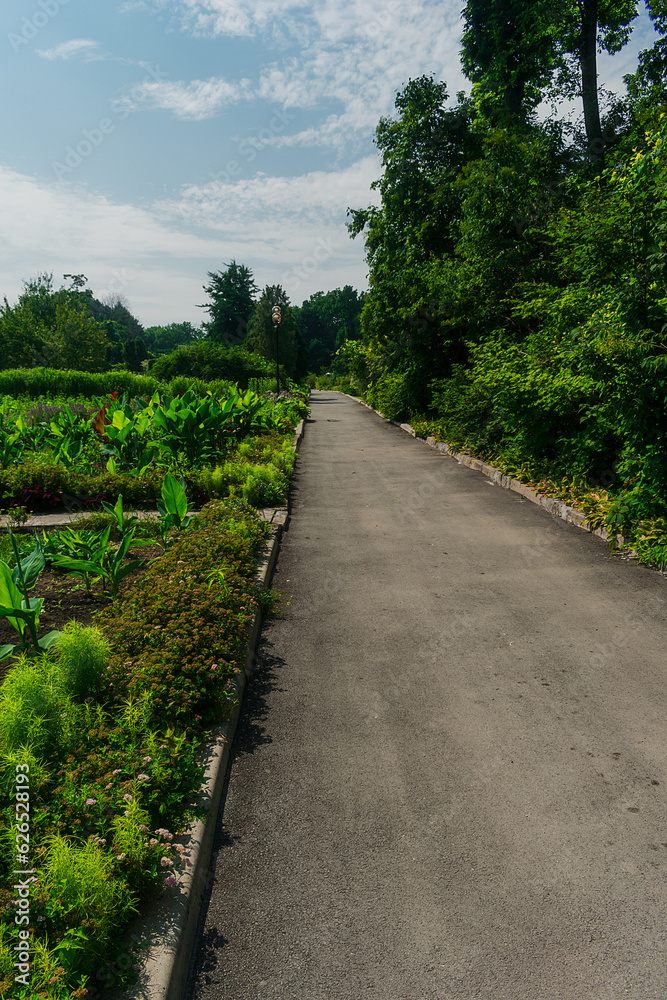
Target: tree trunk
[
  {"x": 513, "y": 97},
  {"x": 589, "y": 77}
]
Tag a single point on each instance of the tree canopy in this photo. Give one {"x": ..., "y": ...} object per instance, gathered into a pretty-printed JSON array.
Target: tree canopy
[
  {"x": 52, "y": 328},
  {"x": 232, "y": 301},
  {"x": 262, "y": 333}
]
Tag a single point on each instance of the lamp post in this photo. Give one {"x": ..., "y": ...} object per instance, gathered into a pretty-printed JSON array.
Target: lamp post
[{"x": 275, "y": 316}]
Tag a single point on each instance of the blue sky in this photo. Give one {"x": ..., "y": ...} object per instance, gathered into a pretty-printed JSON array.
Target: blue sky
[{"x": 144, "y": 143}]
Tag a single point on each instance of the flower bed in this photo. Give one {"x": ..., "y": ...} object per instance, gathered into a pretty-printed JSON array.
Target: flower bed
[
  {"x": 99, "y": 737},
  {"x": 106, "y": 727}
]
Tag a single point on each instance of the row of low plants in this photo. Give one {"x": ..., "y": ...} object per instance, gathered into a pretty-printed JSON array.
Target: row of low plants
[
  {"x": 106, "y": 725},
  {"x": 74, "y": 454},
  {"x": 106, "y": 721}
]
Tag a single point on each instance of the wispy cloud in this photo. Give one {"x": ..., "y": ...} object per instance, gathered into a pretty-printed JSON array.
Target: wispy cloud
[
  {"x": 194, "y": 101},
  {"x": 352, "y": 53},
  {"x": 234, "y": 18},
  {"x": 67, "y": 50},
  {"x": 320, "y": 196},
  {"x": 158, "y": 255}
]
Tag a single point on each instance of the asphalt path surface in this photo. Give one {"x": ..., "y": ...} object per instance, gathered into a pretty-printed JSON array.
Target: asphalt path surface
[{"x": 450, "y": 777}]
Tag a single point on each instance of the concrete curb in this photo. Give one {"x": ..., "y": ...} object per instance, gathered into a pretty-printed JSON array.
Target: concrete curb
[
  {"x": 556, "y": 507},
  {"x": 167, "y": 929}
]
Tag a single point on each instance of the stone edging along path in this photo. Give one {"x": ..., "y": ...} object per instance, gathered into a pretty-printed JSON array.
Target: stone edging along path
[
  {"x": 557, "y": 507},
  {"x": 166, "y": 930}
]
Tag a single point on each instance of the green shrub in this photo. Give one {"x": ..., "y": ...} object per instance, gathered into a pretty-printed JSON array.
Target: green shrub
[
  {"x": 210, "y": 362},
  {"x": 84, "y": 892},
  {"x": 265, "y": 486},
  {"x": 82, "y": 654},
  {"x": 31, "y": 706},
  {"x": 390, "y": 396},
  {"x": 129, "y": 834}
]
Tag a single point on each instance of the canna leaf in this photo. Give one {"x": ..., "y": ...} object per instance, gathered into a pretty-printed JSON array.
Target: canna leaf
[{"x": 174, "y": 498}]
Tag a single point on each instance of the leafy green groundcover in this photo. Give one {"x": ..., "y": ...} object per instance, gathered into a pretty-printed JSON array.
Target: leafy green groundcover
[
  {"x": 106, "y": 727},
  {"x": 72, "y": 456}
]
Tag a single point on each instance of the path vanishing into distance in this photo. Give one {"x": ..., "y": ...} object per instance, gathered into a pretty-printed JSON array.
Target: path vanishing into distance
[{"x": 450, "y": 776}]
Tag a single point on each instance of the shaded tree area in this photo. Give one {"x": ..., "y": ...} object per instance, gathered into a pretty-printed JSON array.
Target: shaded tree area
[
  {"x": 51, "y": 328},
  {"x": 262, "y": 334},
  {"x": 325, "y": 321},
  {"x": 517, "y": 264},
  {"x": 232, "y": 301}
]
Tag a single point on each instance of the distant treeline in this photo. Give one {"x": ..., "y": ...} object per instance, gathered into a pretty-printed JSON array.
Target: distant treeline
[{"x": 69, "y": 328}]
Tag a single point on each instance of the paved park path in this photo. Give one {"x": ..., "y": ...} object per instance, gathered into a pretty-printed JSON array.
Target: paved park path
[{"x": 450, "y": 779}]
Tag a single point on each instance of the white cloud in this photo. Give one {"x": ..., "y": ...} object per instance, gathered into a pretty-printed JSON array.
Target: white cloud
[
  {"x": 353, "y": 53},
  {"x": 236, "y": 18},
  {"x": 193, "y": 101},
  {"x": 287, "y": 230},
  {"x": 294, "y": 227},
  {"x": 253, "y": 205},
  {"x": 67, "y": 50}
]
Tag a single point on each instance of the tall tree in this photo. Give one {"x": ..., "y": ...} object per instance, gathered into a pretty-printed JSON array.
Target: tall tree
[
  {"x": 508, "y": 48},
  {"x": 424, "y": 148},
  {"x": 515, "y": 47},
  {"x": 232, "y": 293},
  {"x": 583, "y": 27}
]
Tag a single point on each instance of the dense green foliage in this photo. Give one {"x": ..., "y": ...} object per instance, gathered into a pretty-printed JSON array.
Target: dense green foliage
[
  {"x": 518, "y": 302},
  {"x": 325, "y": 321},
  {"x": 104, "y": 730},
  {"x": 52, "y": 328},
  {"x": 208, "y": 361}
]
